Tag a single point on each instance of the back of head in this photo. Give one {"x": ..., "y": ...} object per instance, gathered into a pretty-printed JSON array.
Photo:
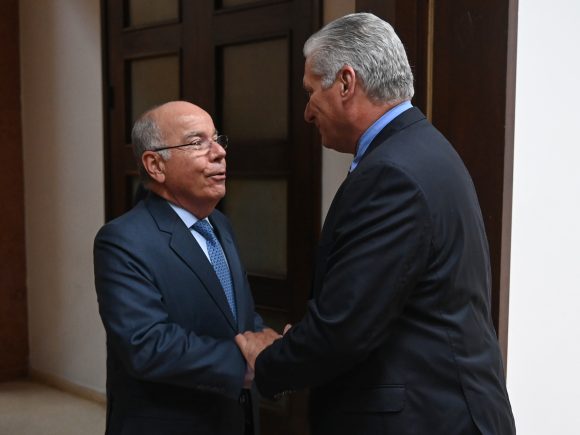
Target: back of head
[
  {"x": 371, "y": 47},
  {"x": 146, "y": 135},
  {"x": 148, "y": 131}
]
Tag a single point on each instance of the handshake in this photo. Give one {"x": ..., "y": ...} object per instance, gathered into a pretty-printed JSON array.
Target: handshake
[{"x": 251, "y": 344}]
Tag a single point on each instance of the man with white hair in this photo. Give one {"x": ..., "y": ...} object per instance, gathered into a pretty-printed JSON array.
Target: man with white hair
[{"x": 398, "y": 336}]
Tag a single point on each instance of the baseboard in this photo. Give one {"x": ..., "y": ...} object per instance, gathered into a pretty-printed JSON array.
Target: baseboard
[{"x": 67, "y": 386}]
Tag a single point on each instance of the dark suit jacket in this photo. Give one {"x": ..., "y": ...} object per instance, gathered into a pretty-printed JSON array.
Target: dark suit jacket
[
  {"x": 398, "y": 337},
  {"x": 172, "y": 364}
]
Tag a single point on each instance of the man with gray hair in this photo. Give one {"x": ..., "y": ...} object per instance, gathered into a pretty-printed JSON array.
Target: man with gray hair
[{"x": 397, "y": 337}]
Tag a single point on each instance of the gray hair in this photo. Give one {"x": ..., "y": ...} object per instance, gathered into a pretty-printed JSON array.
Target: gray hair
[
  {"x": 146, "y": 136},
  {"x": 371, "y": 47}
]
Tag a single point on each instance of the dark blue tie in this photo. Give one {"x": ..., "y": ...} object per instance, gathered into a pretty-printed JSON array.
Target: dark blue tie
[{"x": 218, "y": 261}]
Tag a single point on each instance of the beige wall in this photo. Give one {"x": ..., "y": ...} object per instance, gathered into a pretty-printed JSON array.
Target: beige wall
[{"x": 63, "y": 172}]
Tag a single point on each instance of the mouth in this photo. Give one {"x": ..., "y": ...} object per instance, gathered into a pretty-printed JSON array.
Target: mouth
[{"x": 217, "y": 176}]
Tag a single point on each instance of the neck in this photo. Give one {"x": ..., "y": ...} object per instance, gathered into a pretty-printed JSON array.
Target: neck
[
  {"x": 199, "y": 209},
  {"x": 366, "y": 114}
]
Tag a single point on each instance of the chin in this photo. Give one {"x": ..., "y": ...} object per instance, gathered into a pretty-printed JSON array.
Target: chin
[{"x": 218, "y": 194}]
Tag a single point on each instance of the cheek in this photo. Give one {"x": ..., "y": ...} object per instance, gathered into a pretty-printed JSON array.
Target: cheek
[{"x": 314, "y": 107}]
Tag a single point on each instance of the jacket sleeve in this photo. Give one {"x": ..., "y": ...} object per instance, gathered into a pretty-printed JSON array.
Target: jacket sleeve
[
  {"x": 140, "y": 331},
  {"x": 375, "y": 252}
]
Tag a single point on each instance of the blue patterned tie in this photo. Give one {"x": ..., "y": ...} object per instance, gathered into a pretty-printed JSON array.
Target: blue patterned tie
[{"x": 218, "y": 261}]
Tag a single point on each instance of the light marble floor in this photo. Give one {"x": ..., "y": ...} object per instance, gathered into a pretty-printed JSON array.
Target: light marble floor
[{"x": 28, "y": 408}]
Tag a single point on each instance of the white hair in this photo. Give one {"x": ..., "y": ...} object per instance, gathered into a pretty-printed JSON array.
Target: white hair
[
  {"x": 371, "y": 47},
  {"x": 146, "y": 136}
]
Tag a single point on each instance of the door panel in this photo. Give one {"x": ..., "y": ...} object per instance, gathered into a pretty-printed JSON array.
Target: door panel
[
  {"x": 146, "y": 12},
  {"x": 258, "y": 209},
  {"x": 153, "y": 80},
  {"x": 255, "y": 91}
]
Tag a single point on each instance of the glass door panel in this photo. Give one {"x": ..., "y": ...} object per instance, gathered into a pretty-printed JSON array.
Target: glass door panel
[
  {"x": 255, "y": 91},
  {"x": 147, "y": 12},
  {"x": 258, "y": 211},
  {"x": 154, "y": 81}
]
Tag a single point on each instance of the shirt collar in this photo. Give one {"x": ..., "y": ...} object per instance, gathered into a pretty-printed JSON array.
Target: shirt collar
[
  {"x": 372, "y": 132},
  {"x": 187, "y": 217}
]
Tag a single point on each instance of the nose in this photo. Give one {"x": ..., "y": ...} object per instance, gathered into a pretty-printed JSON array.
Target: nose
[
  {"x": 308, "y": 116},
  {"x": 217, "y": 151}
]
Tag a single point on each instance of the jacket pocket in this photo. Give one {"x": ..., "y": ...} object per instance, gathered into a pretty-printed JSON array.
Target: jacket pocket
[{"x": 379, "y": 399}]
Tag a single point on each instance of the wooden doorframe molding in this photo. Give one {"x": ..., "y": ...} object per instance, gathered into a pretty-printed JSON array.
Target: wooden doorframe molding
[
  {"x": 483, "y": 80},
  {"x": 506, "y": 219},
  {"x": 14, "y": 349}
]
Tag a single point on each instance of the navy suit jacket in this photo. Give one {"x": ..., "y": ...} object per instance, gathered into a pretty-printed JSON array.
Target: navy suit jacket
[
  {"x": 172, "y": 363},
  {"x": 398, "y": 336}
]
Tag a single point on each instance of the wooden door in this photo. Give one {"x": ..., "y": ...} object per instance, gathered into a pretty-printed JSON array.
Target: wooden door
[{"x": 241, "y": 60}]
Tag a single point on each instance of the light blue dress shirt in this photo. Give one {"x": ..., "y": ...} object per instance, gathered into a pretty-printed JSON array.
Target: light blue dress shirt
[
  {"x": 189, "y": 219},
  {"x": 372, "y": 132}
]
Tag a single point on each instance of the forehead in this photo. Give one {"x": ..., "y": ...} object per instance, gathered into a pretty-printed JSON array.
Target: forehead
[
  {"x": 187, "y": 122},
  {"x": 198, "y": 122}
]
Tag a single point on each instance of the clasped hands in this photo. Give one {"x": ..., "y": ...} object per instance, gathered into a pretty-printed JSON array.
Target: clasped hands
[{"x": 251, "y": 344}]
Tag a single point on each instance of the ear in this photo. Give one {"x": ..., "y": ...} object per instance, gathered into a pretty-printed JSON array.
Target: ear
[
  {"x": 347, "y": 80},
  {"x": 154, "y": 165}
]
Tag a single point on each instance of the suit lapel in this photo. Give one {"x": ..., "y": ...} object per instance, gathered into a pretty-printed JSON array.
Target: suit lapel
[
  {"x": 402, "y": 121},
  {"x": 186, "y": 247}
]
